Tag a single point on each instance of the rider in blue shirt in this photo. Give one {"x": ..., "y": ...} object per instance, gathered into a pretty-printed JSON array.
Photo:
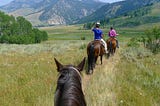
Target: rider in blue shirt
[{"x": 98, "y": 34}]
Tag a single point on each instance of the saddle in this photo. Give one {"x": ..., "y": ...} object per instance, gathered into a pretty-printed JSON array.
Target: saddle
[
  {"x": 96, "y": 41},
  {"x": 111, "y": 38}
]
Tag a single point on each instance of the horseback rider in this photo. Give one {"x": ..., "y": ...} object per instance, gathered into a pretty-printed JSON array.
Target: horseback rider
[
  {"x": 98, "y": 35},
  {"x": 112, "y": 33}
]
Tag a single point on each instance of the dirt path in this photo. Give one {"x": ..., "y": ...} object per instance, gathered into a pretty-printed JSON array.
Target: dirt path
[{"x": 102, "y": 85}]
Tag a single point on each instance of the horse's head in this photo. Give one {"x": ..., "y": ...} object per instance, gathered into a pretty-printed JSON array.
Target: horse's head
[
  {"x": 65, "y": 70},
  {"x": 69, "y": 84}
]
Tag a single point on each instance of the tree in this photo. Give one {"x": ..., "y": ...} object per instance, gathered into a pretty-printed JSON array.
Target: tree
[{"x": 19, "y": 30}]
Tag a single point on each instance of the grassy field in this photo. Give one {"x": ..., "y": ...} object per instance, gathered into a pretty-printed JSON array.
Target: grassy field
[{"x": 28, "y": 73}]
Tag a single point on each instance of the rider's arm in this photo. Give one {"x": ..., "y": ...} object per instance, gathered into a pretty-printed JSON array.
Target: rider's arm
[{"x": 109, "y": 33}]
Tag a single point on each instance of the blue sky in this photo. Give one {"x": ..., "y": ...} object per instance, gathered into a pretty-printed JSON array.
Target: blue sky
[
  {"x": 3, "y": 2},
  {"x": 110, "y": 1}
]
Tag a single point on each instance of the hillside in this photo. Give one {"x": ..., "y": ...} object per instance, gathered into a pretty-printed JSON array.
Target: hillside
[
  {"x": 52, "y": 12},
  {"x": 116, "y": 9},
  {"x": 144, "y": 15}
]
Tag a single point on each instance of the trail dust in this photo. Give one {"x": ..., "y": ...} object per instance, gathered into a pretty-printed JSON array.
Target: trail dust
[{"x": 98, "y": 87}]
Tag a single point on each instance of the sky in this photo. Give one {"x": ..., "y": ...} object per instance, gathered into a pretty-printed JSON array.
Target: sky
[
  {"x": 110, "y": 1},
  {"x": 3, "y": 2}
]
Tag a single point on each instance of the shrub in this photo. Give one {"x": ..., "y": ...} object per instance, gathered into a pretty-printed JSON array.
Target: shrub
[
  {"x": 152, "y": 40},
  {"x": 83, "y": 38},
  {"x": 133, "y": 42}
]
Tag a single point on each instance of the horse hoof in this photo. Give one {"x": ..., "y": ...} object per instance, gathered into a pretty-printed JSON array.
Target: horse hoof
[{"x": 90, "y": 72}]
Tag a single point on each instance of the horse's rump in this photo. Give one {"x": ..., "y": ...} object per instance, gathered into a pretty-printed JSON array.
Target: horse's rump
[
  {"x": 94, "y": 49},
  {"x": 111, "y": 45},
  {"x": 97, "y": 44},
  {"x": 111, "y": 39}
]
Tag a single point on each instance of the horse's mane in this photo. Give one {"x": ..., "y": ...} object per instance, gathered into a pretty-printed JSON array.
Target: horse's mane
[{"x": 69, "y": 89}]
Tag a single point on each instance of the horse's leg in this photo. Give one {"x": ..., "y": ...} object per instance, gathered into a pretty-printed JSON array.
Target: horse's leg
[
  {"x": 114, "y": 50},
  {"x": 101, "y": 58},
  {"x": 108, "y": 54},
  {"x": 96, "y": 59},
  {"x": 89, "y": 64}
]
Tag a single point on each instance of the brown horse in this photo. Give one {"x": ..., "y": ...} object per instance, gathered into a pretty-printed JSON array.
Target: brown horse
[
  {"x": 94, "y": 49},
  {"x": 69, "y": 85},
  {"x": 111, "y": 45}
]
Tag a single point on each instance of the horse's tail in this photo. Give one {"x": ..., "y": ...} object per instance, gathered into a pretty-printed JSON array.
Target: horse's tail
[
  {"x": 91, "y": 53},
  {"x": 109, "y": 48},
  {"x": 90, "y": 57},
  {"x": 91, "y": 50}
]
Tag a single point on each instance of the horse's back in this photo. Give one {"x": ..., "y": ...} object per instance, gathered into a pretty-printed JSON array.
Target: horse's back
[
  {"x": 111, "y": 41},
  {"x": 97, "y": 45}
]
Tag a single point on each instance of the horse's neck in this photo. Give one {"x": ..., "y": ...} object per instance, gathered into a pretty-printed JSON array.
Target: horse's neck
[
  {"x": 67, "y": 90},
  {"x": 73, "y": 84},
  {"x": 68, "y": 93}
]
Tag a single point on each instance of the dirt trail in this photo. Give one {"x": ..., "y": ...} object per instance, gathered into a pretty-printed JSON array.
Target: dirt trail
[{"x": 108, "y": 74}]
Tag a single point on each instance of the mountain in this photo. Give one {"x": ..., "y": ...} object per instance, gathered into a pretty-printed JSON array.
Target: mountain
[
  {"x": 116, "y": 9},
  {"x": 145, "y": 15},
  {"x": 18, "y": 4},
  {"x": 52, "y": 12}
]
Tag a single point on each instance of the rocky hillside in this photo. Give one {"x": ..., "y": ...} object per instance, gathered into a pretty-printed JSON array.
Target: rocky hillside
[
  {"x": 52, "y": 12},
  {"x": 117, "y": 9}
]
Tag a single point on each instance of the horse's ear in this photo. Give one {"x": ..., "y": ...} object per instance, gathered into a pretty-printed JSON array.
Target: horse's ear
[
  {"x": 58, "y": 64},
  {"x": 81, "y": 65}
]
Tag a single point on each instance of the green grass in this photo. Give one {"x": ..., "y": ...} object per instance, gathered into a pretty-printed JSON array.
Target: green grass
[
  {"x": 28, "y": 73},
  {"x": 68, "y": 33},
  {"x": 25, "y": 79},
  {"x": 138, "y": 79}
]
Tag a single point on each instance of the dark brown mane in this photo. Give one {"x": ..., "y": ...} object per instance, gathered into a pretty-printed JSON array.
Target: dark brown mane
[{"x": 69, "y": 88}]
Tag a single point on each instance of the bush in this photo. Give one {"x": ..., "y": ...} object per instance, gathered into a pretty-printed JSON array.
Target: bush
[
  {"x": 83, "y": 38},
  {"x": 152, "y": 40},
  {"x": 133, "y": 42},
  {"x": 19, "y": 31}
]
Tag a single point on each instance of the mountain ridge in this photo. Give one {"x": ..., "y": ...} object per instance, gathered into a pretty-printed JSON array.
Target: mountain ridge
[
  {"x": 52, "y": 12},
  {"x": 115, "y": 9},
  {"x": 57, "y": 12}
]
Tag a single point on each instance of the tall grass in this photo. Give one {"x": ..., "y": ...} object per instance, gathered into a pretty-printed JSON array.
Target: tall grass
[
  {"x": 138, "y": 78},
  {"x": 28, "y": 72},
  {"x": 100, "y": 89}
]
